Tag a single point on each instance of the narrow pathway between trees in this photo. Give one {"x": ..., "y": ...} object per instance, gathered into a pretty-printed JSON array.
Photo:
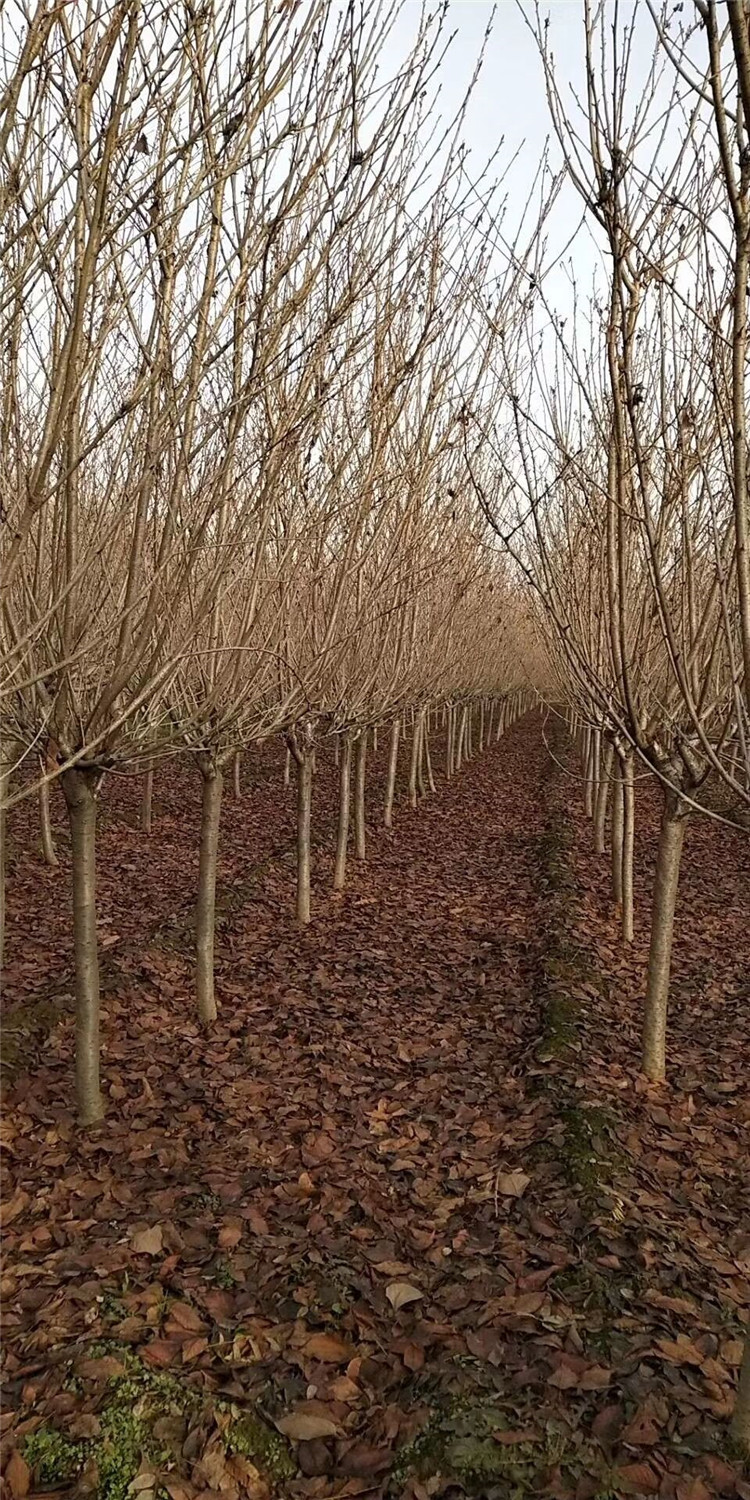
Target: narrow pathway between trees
[{"x": 409, "y": 1199}]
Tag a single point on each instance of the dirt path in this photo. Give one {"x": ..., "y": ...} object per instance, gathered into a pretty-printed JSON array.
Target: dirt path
[{"x": 407, "y": 1198}]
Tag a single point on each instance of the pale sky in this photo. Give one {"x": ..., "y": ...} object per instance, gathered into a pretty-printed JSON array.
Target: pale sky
[{"x": 509, "y": 99}]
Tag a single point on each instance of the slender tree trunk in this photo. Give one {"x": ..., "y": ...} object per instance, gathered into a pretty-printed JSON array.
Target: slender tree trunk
[
  {"x": 145, "y": 816},
  {"x": 360, "y": 776},
  {"x": 588, "y": 772},
  {"x": 662, "y": 926},
  {"x": 428, "y": 760},
  {"x": 596, "y": 761},
  {"x": 461, "y": 740},
  {"x": 602, "y": 797},
  {"x": 628, "y": 842},
  {"x": 421, "y": 783},
  {"x": 342, "y": 838},
  {"x": 205, "y": 912},
  {"x": 287, "y": 766},
  {"x": 617, "y": 832},
  {"x": 490, "y": 722},
  {"x": 414, "y": 763},
  {"x": 45, "y": 823},
  {"x": 740, "y": 1428},
  {"x": 79, "y": 788},
  {"x": 304, "y": 812},
  {"x": 336, "y": 747},
  {"x": 449, "y": 745},
  {"x": 236, "y": 774},
  {"x": 4, "y": 788},
  {"x": 390, "y": 789},
  {"x": 481, "y": 726},
  {"x": 375, "y": 740}
]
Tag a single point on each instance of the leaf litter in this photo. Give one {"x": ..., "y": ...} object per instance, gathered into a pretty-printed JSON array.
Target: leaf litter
[{"x": 379, "y": 1232}]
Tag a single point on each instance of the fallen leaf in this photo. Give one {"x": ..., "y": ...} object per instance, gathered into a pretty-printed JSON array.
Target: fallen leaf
[
  {"x": 303, "y": 1427},
  {"x": 400, "y": 1293},
  {"x": 17, "y": 1475},
  {"x": 328, "y": 1348},
  {"x": 148, "y": 1241},
  {"x": 516, "y": 1435},
  {"x": 637, "y": 1479},
  {"x": 106, "y": 1368},
  {"x": 512, "y": 1184}
]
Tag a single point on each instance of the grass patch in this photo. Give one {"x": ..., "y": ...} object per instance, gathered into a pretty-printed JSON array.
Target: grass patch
[
  {"x": 267, "y": 1449},
  {"x": 143, "y": 1420},
  {"x": 462, "y": 1442}
]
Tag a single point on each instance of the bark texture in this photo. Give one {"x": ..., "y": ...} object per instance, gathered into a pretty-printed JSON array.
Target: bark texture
[
  {"x": 342, "y": 838},
  {"x": 304, "y": 812},
  {"x": 666, "y": 882},
  {"x": 360, "y": 779},
  {"x": 205, "y": 924},
  {"x": 45, "y": 823},
  {"x": 79, "y": 788},
  {"x": 390, "y": 788},
  {"x": 602, "y": 798}
]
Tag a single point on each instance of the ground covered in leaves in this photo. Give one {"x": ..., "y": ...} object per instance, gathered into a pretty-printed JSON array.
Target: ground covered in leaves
[{"x": 407, "y": 1222}]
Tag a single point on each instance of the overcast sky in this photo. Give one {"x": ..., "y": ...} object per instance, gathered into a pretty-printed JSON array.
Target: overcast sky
[{"x": 509, "y": 99}]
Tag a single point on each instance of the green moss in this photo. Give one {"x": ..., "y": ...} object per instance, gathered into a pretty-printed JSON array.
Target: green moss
[
  {"x": 458, "y": 1444},
  {"x": 143, "y": 1418},
  {"x": 560, "y": 1031},
  {"x": 55, "y": 1458},
  {"x": 267, "y": 1449},
  {"x": 585, "y": 1151},
  {"x": 125, "y": 1440}
]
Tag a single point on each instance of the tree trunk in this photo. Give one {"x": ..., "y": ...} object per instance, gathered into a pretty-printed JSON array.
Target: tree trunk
[
  {"x": 428, "y": 760},
  {"x": 147, "y": 800},
  {"x": 342, "y": 839},
  {"x": 449, "y": 745},
  {"x": 236, "y": 768},
  {"x": 617, "y": 832},
  {"x": 414, "y": 763},
  {"x": 460, "y": 739},
  {"x": 205, "y": 919},
  {"x": 481, "y": 726},
  {"x": 287, "y": 766},
  {"x": 740, "y": 1428},
  {"x": 304, "y": 810},
  {"x": 628, "y": 840},
  {"x": 4, "y": 787},
  {"x": 45, "y": 824},
  {"x": 588, "y": 772},
  {"x": 360, "y": 774},
  {"x": 490, "y": 721},
  {"x": 421, "y": 782},
  {"x": 602, "y": 797},
  {"x": 79, "y": 788},
  {"x": 662, "y": 926},
  {"x": 390, "y": 789}
]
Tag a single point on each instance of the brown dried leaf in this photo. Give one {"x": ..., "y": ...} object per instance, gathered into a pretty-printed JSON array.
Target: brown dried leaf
[
  {"x": 512, "y": 1184},
  {"x": 148, "y": 1241},
  {"x": 401, "y": 1293},
  {"x": 328, "y": 1348},
  {"x": 17, "y": 1475},
  {"x": 304, "y": 1426}
]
